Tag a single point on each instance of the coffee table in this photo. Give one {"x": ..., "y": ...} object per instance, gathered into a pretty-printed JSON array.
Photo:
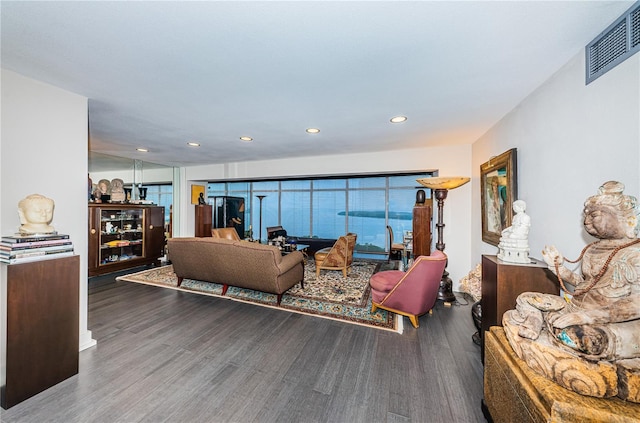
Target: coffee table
[{"x": 299, "y": 247}]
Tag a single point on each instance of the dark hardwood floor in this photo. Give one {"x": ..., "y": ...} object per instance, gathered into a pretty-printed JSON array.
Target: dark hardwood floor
[{"x": 169, "y": 356}]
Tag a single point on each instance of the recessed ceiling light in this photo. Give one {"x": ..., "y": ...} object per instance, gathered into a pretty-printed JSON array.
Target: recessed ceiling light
[
  {"x": 313, "y": 130},
  {"x": 193, "y": 144},
  {"x": 247, "y": 139},
  {"x": 142, "y": 150},
  {"x": 398, "y": 119}
]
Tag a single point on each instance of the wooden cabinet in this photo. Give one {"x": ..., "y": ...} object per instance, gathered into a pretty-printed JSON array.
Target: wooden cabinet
[
  {"x": 122, "y": 236},
  {"x": 502, "y": 283},
  {"x": 204, "y": 220},
  {"x": 422, "y": 230},
  {"x": 42, "y": 333}
]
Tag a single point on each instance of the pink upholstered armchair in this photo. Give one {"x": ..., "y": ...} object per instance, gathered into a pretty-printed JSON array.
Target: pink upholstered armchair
[{"x": 409, "y": 293}]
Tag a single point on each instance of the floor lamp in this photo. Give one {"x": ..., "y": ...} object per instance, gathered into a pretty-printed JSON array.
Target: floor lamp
[
  {"x": 260, "y": 197},
  {"x": 441, "y": 187}
]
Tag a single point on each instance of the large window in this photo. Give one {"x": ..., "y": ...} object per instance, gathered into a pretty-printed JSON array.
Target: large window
[
  {"x": 162, "y": 195},
  {"x": 329, "y": 207}
]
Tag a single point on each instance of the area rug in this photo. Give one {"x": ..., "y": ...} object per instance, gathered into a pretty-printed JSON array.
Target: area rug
[{"x": 331, "y": 296}]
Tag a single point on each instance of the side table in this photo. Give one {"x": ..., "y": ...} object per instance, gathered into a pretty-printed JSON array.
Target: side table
[{"x": 502, "y": 282}]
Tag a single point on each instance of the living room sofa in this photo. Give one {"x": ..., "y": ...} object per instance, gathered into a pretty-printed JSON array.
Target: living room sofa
[{"x": 236, "y": 263}]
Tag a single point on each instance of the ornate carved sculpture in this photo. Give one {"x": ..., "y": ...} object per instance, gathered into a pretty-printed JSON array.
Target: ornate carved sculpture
[
  {"x": 117, "y": 190},
  {"x": 590, "y": 344}
]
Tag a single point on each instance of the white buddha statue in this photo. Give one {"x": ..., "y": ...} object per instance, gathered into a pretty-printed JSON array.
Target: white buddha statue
[{"x": 514, "y": 242}]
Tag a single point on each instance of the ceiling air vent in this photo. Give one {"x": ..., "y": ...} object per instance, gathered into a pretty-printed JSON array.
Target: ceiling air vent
[{"x": 614, "y": 45}]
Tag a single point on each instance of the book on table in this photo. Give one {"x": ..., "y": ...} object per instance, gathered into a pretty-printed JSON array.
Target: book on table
[
  {"x": 36, "y": 251},
  {"x": 24, "y": 248},
  {"x": 5, "y": 246},
  {"x": 35, "y": 258},
  {"x": 22, "y": 238}
]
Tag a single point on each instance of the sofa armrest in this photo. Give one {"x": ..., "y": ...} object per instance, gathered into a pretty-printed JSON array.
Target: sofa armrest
[{"x": 290, "y": 261}]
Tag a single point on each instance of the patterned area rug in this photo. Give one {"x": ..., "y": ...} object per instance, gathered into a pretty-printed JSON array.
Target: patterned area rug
[{"x": 330, "y": 296}]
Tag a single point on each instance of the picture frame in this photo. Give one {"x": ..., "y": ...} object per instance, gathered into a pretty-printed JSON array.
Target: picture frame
[
  {"x": 499, "y": 189},
  {"x": 196, "y": 190}
]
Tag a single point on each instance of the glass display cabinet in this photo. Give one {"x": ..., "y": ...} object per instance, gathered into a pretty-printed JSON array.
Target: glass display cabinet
[{"x": 122, "y": 236}]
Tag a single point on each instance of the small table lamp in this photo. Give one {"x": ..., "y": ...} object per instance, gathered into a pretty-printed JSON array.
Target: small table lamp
[{"x": 440, "y": 187}]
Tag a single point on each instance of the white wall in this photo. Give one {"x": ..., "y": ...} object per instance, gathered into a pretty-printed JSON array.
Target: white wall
[
  {"x": 450, "y": 161},
  {"x": 44, "y": 151},
  {"x": 570, "y": 139}
]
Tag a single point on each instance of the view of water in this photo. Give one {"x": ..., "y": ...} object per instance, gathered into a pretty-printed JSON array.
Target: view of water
[
  {"x": 320, "y": 207},
  {"x": 371, "y": 227}
]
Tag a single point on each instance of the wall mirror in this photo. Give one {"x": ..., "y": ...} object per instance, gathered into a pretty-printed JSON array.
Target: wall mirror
[
  {"x": 499, "y": 189},
  {"x": 131, "y": 171}
]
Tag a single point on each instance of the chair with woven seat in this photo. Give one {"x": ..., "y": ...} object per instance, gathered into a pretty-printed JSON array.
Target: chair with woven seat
[
  {"x": 396, "y": 250},
  {"x": 411, "y": 293},
  {"x": 337, "y": 257}
]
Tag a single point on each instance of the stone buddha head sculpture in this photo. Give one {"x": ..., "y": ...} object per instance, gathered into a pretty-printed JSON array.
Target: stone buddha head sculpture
[{"x": 36, "y": 214}]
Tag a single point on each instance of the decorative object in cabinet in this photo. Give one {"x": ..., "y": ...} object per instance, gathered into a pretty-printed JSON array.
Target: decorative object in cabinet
[{"x": 122, "y": 236}]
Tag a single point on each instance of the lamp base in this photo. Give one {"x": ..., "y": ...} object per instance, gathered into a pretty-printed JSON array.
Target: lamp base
[{"x": 445, "y": 293}]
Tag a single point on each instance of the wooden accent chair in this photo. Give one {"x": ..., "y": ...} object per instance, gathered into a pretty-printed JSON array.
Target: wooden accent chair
[
  {"x": 226, "y": 233},
  {"x": 411, "y": 293},
  {"x": 396, "y": 250},
  {"x": 337, "y": 257}
]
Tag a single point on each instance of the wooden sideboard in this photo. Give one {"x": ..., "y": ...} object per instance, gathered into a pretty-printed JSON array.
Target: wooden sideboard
[
  {"x": 502, "y": 283},
  {"x": 42, "y": 338}
]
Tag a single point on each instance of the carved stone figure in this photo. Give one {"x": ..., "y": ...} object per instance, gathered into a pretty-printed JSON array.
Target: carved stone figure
[
  {"x": 514, "y": 242},
  {"x": 104, "y": 186},
  {"x": 36, "y": 214},
  {"x": 590, "y": 343},
  {"x": 117, "y": 190}
]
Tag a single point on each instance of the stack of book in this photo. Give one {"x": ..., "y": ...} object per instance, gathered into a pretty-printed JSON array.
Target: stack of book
[{"x": 24, "y": 248}]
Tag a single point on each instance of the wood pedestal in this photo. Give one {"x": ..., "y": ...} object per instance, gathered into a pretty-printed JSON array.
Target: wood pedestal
[
  {"x": 503, "y": 282},
  {"x": 204, "y": 220},
  {"x": 515, "y": 393},
  {"x": 422, "y": 230},
  {"x": 42, "y": 339}
]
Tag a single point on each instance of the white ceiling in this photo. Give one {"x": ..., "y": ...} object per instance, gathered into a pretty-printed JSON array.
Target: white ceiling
[{"x": 159, "y": 74}]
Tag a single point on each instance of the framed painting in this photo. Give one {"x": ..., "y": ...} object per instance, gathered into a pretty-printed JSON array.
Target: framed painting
[
  {"x": 196, "y": 192},
  {"x": 499, "y": 189}
]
